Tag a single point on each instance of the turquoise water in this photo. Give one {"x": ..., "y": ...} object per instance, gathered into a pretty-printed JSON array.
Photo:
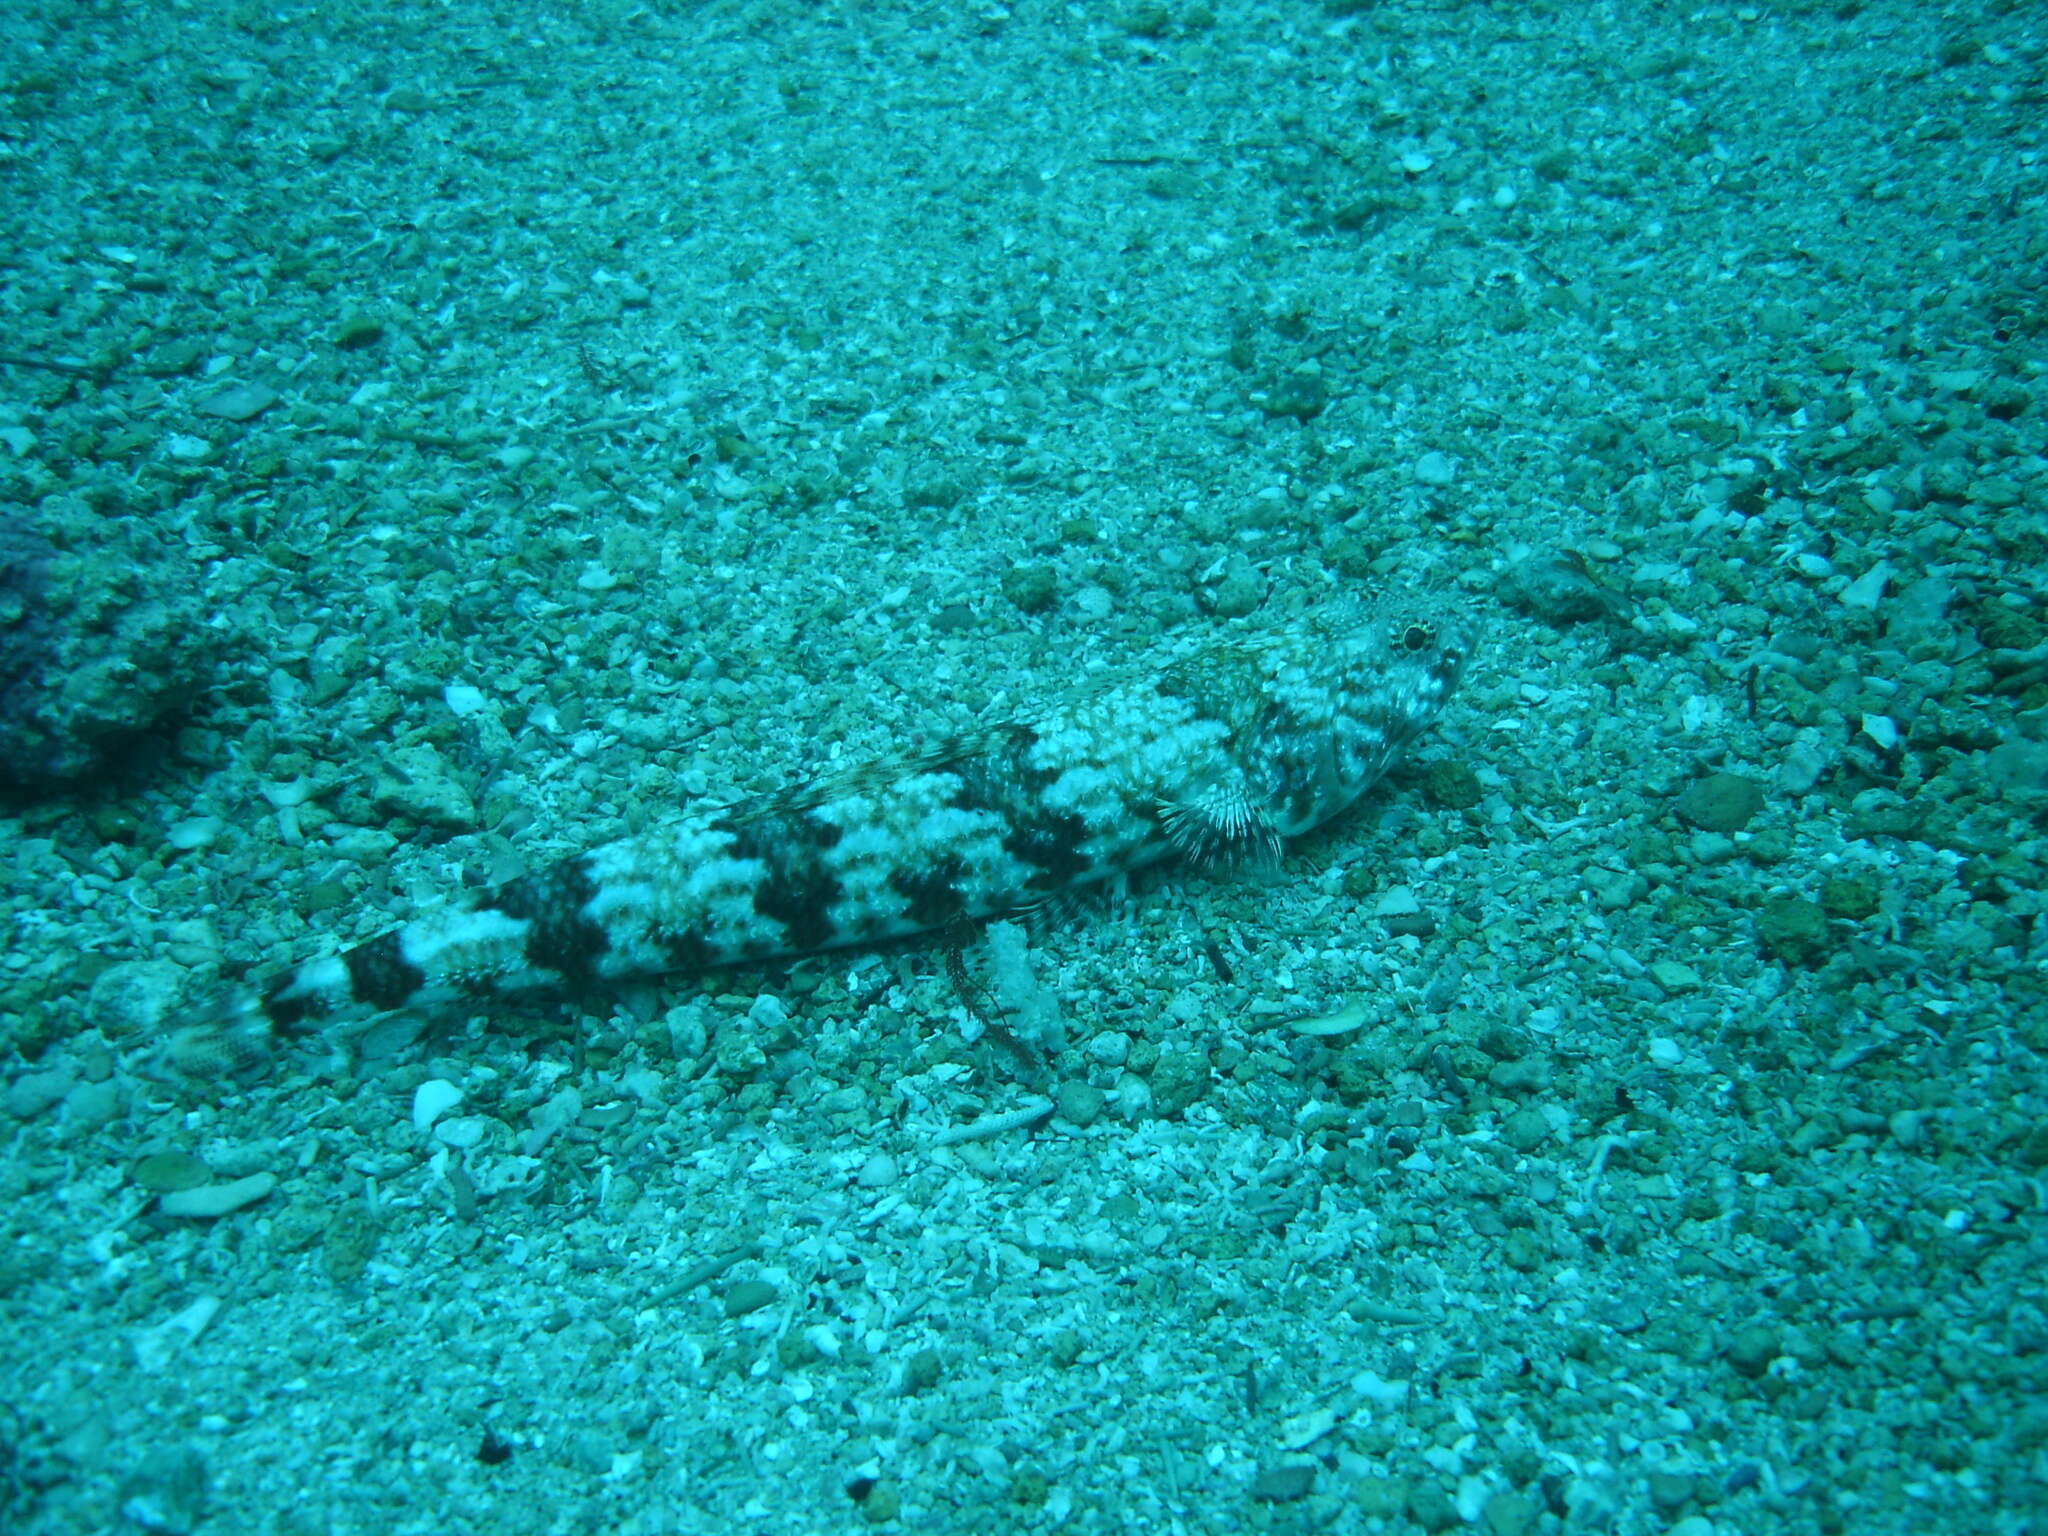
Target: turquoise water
[{"x": 438, "y": 438}]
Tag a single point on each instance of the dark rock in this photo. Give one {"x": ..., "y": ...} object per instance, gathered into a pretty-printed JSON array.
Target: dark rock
[
  {"x": 1560, "y": 589},
  {"x": 102, "y": 639},
  {"x": 1285, "y": 1483},
  {"x": 1031, "y": 588},
  {"x": 745, "y": 1296},
  {"x": 1451, "y": 785},
  {"x": 1794, "y": 930},
  {"x": 1300, "y": 393},
  {"x": 1753, "y": 1349},
  {"x": 238, "y": 402},
  {"x": 1720, "y": 802}
]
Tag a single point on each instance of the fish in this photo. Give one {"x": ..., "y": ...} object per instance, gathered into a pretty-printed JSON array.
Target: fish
[{"x": 1201, "y": 754}]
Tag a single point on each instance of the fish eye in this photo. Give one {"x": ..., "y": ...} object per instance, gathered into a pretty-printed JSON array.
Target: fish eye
[{"x": 1415, "y": 637}]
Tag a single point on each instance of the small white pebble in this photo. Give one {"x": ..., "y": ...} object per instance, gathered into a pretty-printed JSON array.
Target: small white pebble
[
  {"x": 463, "y": 1132},
  {"x": 1325, "y": 1025},
  {"x": 1435, "y": 468},
  {"x": 1665, "y": 1052},
  {"x": 1397, "y": 901},
  {"x": 1094, "y": 603},
  {"x": 286, "y": 796},
  {"x": 1708, "y": 848},
  {"x": 193, "y": 832},
  {"x": 157, "y": 1347},
  {"x": 989, "y": 1126},
  {"x": 878, "y": 1172},
  {"x": 1812, "y": 566},
  {"x": 1133, "y": 1096},
  {"x": 1305, "y": 1429},
  {"x": 463, "y": 700},
  {"x": 1470, "y": 1499},
  {"x": 1111, "y": 1048},
  {"x": 1867, "y": 590},
  {"x": 218, "y": 1199},
  {"x": 1504, "y": 197},
  {"x": 1380, "y": 1393},
  {"x": 1676, "y": 975},
  {"x": 1415, "y": 162},
  {"x": 1880, "y": 729},
  {"x": 431, "y": 1100}
]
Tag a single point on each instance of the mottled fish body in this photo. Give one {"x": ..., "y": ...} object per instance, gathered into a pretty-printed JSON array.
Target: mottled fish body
[{"x": 1237, "y": 746}]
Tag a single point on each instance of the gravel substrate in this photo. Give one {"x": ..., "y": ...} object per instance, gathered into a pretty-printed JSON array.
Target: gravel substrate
[{"x": 460, "y": 433}]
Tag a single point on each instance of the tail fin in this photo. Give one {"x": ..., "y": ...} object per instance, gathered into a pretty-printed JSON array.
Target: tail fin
[{"x": 474, "y": 951}]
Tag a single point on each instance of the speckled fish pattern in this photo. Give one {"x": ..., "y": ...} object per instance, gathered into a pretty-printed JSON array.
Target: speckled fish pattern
[{"x": 1238, "y": 746}]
